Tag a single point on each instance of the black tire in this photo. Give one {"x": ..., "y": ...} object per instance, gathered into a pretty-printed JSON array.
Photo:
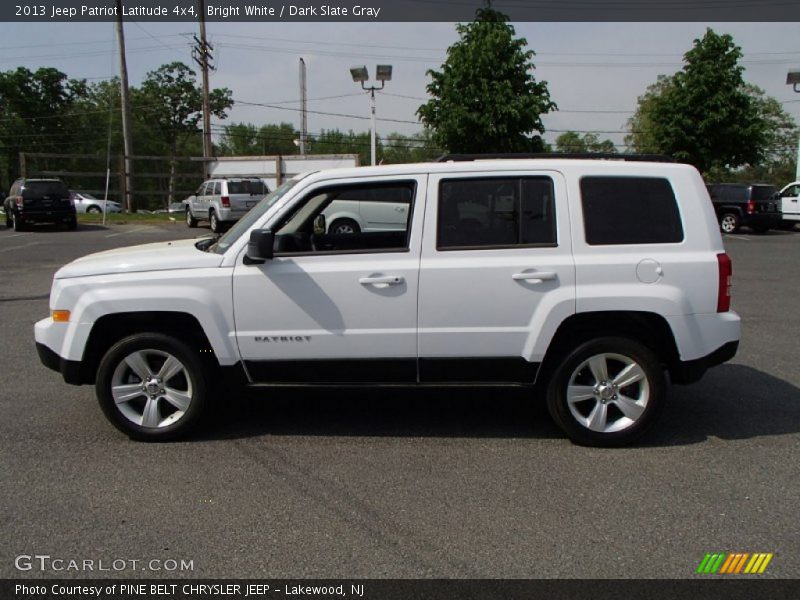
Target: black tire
[
  {"x": 94, "y": 209},
  {"x": 342, "y": 226},
  {"x": 190, "y": 220},
  {"x": 72, "y": 224},
  {"x": 620, "y": 430},
  {"x": 729, "y": 222},
  {"x": 18, "y": 225},
  {"x": 216, "y": 224},
  {"x": 9, "y": 222},
  {"x": 194, "y": 377}
]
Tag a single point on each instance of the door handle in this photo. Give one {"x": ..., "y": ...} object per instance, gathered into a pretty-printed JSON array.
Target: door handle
[
  {"x": 535, "y": 276},
  {"x": 382, "y": 279}
]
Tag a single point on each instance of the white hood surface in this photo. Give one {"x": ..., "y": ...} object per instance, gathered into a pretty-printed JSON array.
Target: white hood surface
[{"x": 161, "y": 256}]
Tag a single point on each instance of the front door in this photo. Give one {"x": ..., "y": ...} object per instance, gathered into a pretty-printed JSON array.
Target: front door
[
  {"x": 334, "y": 308},
  {"x": 789, "y": 202}
]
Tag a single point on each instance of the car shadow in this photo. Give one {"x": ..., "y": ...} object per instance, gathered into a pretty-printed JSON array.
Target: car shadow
[{"x": 732, "y": 402}]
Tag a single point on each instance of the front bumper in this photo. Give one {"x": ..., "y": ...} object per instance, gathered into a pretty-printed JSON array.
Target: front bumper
[{"x": 70, "y": 370}]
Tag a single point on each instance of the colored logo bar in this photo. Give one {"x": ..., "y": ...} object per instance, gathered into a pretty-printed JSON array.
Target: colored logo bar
[{"x": 734, "y": 563}]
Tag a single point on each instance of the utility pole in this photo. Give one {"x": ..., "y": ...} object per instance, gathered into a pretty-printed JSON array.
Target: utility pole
[
  {"x": 303, "y": 107},
  {"x": 126, "y": 113},
  {"x": 201, "y": 54}
]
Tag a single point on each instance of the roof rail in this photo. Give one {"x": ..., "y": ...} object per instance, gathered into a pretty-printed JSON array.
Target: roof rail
[{"x": 568, "y": 155}]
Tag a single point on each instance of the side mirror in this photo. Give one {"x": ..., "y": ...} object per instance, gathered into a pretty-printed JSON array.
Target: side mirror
[
  {"x": 320, "y": 227},
  {"x": 260, "y": 246}
]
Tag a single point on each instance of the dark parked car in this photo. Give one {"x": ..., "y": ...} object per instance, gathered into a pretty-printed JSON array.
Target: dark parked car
[
  {"x": 742, "y": 204},
  {"x": 39, "y": 201}
]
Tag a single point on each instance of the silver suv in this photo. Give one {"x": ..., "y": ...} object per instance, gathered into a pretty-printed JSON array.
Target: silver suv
[{"x": 224, "y": 201}]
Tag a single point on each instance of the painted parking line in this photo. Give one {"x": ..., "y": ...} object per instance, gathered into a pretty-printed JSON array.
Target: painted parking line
[
  {"x": 137, "y": 230},
  {"x": 738, "y": 237},
  {"x": 16, "y": 235},
  {"x": 19, "y": 247}
]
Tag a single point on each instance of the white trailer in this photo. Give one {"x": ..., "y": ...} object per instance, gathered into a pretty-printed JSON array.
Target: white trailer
[{"x": 275, "y": 169}]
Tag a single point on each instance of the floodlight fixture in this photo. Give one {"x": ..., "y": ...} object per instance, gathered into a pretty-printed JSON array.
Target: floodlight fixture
[
  {"x": 793, "y": 79},
  {"x": 383, "y": 73},
  {"x": 360, "y": 74}
]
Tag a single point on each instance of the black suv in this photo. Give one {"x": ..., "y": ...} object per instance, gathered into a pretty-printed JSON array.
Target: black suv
[
  {"x": 39, "y": 201},
  {"x": 742, "y": 204}
]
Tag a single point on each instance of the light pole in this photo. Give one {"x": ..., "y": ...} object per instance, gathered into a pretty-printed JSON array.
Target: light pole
[
  {"x": 793, "y": 79},
  {"x": 383, "y": 73}
]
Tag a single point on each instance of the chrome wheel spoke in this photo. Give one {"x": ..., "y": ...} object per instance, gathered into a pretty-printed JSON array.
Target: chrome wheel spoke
[
  {"x": 597, "y": 419},
  {"x": 171, "y": 367},
  {"x": 599, "y": 368},
  {"x": 126, "y": 393},
  {"x": 628, "y": 376},
  {"x": 150, "y": 416},
  {"x": 177, "y": 398},
  {"x": 629, "y": 407},
  {"x": 138, "y": 364},
  {"x": 577, "y": 393}
]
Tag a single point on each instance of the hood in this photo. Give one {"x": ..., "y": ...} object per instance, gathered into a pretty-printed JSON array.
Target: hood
[{"x": 161, "y": 256}]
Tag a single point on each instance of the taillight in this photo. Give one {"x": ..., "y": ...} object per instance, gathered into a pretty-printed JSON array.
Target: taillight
[
  {"x": 19, "y": 201},
  {"x": 725, "y": 275},
  {"x": 226, "y": 201},
  {"x": 751, "y": 207}
]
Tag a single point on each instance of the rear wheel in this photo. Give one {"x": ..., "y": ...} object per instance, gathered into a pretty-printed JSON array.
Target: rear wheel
[
  {"x": 607, "y": 392},
  {"x": 9, "y": 222},
  {"x": 729, "y": 223},
  {"x": 152, "y": 387},
  {"x": 340, "y": 226},
  {"x": 72, "y": 224},
  {"x": 216, "y": 224},
  {"x": 190, "y": 220},
  {"x": 18, "y": 224}
]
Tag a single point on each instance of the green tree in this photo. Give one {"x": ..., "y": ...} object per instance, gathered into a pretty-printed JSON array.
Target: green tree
[
  {"x": 702, "y": 114},
  {"x": 171, "y": 102},
  {"x": 572, "y": 141},
  {"x": 485, "y": 98},
  {"x": 419, "y": 147},
  {"x": 335, "y": 141},
  {"x": 245, "y": 139},
  {"x": 34, "y": 108}
]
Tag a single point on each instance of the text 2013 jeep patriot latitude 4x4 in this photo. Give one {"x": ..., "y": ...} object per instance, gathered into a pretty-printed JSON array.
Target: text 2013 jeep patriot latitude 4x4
[{"x": 588, "y": 280}]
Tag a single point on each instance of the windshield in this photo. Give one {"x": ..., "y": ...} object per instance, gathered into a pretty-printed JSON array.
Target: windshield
[{"x": 247, "y": 221}]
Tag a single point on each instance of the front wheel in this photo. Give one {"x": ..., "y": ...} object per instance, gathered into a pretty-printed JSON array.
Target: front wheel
[
  {"x": 95, "y": 210},
  {"x": 607, "y": 392},
  {"x": 152, "y": 387},
  {"x": 343, "y": 226}
]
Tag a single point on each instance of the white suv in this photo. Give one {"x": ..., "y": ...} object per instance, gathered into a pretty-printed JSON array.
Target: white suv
[
  {"x": 223, "y": 201},
  {"x": 587, "y": 280}
]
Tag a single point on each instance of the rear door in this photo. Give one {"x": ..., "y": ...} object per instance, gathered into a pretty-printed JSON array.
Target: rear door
[{"x": 496, "y": 271}]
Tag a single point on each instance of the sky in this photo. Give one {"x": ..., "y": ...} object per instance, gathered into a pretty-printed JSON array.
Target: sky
[{"x": 594, "y": 71}]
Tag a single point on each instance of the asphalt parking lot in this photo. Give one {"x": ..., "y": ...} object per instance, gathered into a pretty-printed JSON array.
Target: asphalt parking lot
[{"x": 404, "y": 483}]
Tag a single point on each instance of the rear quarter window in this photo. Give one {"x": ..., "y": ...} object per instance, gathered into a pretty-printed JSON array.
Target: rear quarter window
[{"x": 630, "y": 210}]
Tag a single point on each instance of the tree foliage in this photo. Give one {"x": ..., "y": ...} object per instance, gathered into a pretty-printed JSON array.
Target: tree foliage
[
  {"x": 703, "y": 114},
  {"x": 245, "y": 139},
  {"x": 485, "y": 97},
  {"x": 572, "y": 141}
]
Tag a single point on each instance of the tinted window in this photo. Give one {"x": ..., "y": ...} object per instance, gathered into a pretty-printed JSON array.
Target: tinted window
[
  {"x": 45, "y": 188},
  {"x": 763, "y": 192},
  {"x": 497, "y": 212},
  {"x": 252, "y": 187},
  {"x": 630, "y": 210}
]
